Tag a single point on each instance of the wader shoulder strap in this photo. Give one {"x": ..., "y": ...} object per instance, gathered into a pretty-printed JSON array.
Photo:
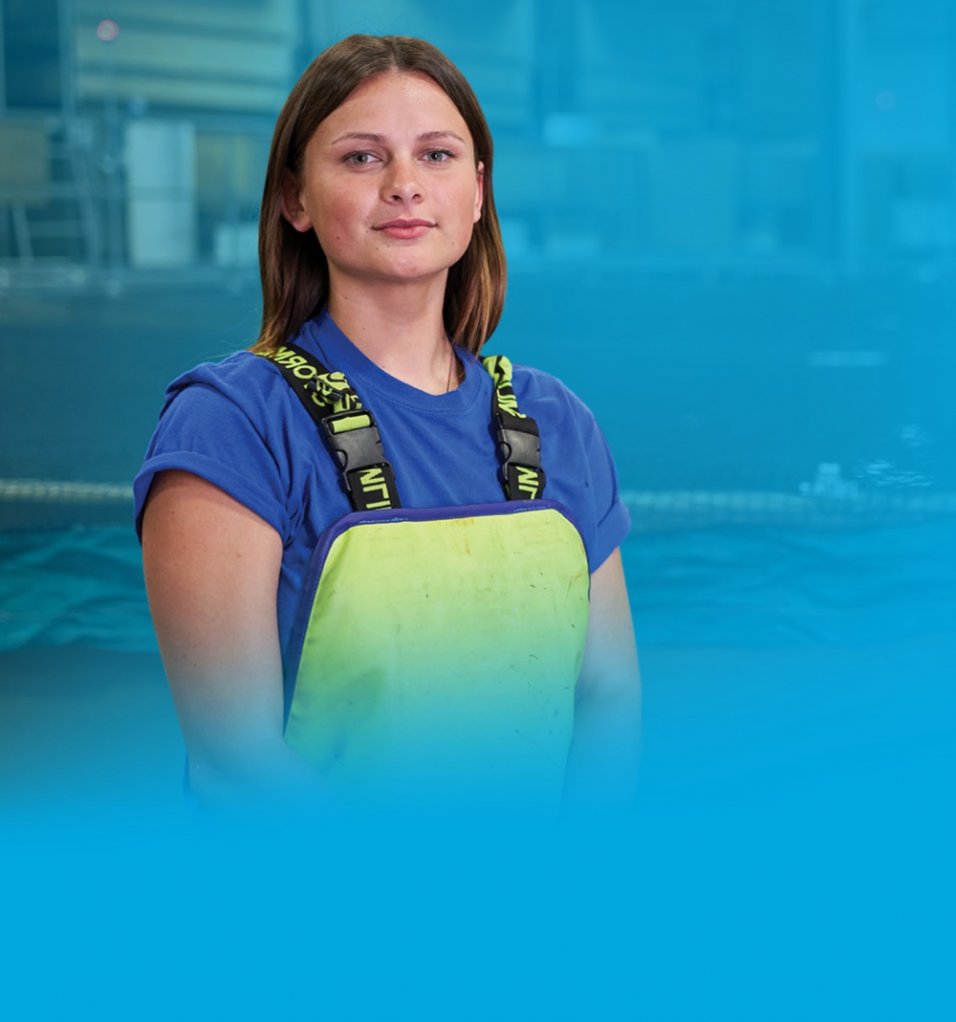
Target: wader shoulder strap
[
  {"x": 519, "y": 444},
  {"x": 347, "y": 429}
]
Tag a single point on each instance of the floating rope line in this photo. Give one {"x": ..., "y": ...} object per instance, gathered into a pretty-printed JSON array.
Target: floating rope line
[
  {"x": 785, "y": 503},
  {"x": 675, "y": 507},
  {"x": 769, "y": 503},
  {"x": 45, "y": 492}
]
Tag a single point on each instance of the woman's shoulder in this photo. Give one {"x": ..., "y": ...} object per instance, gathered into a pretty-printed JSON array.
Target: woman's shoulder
[
  {"x": 242, "y": 379},
  {"x": 539, "y": 392},
  {"x": 240, "y": 370}
]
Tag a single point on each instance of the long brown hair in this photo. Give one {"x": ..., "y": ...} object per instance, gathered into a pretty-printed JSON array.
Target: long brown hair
[{"x": 292, "y": 265}]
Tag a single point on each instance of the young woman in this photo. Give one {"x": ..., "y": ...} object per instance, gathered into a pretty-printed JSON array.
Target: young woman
[{"x": 380, "y": 567}]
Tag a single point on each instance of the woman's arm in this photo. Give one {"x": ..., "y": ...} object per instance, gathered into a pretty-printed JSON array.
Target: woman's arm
[
  {"x": 605, "y": 749},
  {"x": 212, "y": 572}
]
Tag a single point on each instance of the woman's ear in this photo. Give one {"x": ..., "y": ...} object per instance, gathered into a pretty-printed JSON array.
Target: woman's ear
[
  {"x": 292, "y": 208},
  {"x": 479, "y": 191}
]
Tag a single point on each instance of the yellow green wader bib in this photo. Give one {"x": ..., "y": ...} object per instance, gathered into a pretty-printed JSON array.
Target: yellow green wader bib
[{"x": 436, "y": 651}]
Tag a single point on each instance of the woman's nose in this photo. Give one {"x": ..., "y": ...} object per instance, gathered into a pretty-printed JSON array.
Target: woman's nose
[{"x": 402, "y": 183}]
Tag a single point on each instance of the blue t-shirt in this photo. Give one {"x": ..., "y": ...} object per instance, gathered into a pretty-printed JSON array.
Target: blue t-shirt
[{"x": 238, "y": 424}]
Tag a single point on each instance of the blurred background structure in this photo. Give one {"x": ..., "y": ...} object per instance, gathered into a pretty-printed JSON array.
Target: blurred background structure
[
  {"x": 748, "y": 208},
  {"x": 731, "y": 228}
]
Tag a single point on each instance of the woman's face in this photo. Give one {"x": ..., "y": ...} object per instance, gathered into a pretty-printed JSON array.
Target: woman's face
[{"x": 389, "y": 183}]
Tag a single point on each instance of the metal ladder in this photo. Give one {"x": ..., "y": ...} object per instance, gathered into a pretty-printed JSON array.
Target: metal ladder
[{"x": 53, "y": 216}]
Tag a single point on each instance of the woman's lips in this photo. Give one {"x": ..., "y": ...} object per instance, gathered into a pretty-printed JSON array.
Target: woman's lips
[{"x": 404, "y": 228}]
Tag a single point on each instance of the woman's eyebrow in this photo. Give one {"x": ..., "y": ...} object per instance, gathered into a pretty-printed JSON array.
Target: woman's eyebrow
[
  {"x": 362, "y": 136},
  {"x": 431, "y": 136},
  {"x": 371, "y": 136}
]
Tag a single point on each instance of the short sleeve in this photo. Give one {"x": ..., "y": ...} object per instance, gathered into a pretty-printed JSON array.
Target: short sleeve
[
  {"x": 204, "y": 431},
  {"x": 612, "y": 520},
  {"x": 579, "y": 468}
]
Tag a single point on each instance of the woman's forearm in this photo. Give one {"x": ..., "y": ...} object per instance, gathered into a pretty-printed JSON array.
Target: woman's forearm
[{"x": 605, "y": 748}]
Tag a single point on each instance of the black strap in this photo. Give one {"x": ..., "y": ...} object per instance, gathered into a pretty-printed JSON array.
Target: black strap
[
  {"x": 351, "y": 435},
  {"x": 519, "y": 443},
  {"x": 347, "y": 429}
]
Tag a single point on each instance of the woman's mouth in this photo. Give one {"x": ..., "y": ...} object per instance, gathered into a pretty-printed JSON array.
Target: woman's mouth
[{"x": 402, "y": 228}]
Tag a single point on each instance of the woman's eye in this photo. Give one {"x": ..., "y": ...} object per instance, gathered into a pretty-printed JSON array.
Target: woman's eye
[
  {"x": 438, "y": 155},
  {"x": 360, "y": 159}
]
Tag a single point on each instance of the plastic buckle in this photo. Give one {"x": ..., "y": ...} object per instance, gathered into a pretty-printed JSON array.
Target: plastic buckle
[
  {"x": 355, "y": 448},
  {"x": 518, "y": 447}
]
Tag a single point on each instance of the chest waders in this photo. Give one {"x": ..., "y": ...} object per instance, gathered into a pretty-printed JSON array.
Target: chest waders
[{"x": 435, "y": 651}]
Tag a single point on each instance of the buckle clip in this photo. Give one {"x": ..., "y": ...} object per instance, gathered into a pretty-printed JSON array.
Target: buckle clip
[
  {"x": 518, "y": 447},
  {"x": 522, "y": 476},
  {"x": 357, "y": 447}
]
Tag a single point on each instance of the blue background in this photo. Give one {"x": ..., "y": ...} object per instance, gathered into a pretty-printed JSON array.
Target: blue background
[{"x": 731, "y": 229}]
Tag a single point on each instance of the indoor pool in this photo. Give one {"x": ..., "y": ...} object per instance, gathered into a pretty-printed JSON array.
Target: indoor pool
[{"x": 773, "y": 657}]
